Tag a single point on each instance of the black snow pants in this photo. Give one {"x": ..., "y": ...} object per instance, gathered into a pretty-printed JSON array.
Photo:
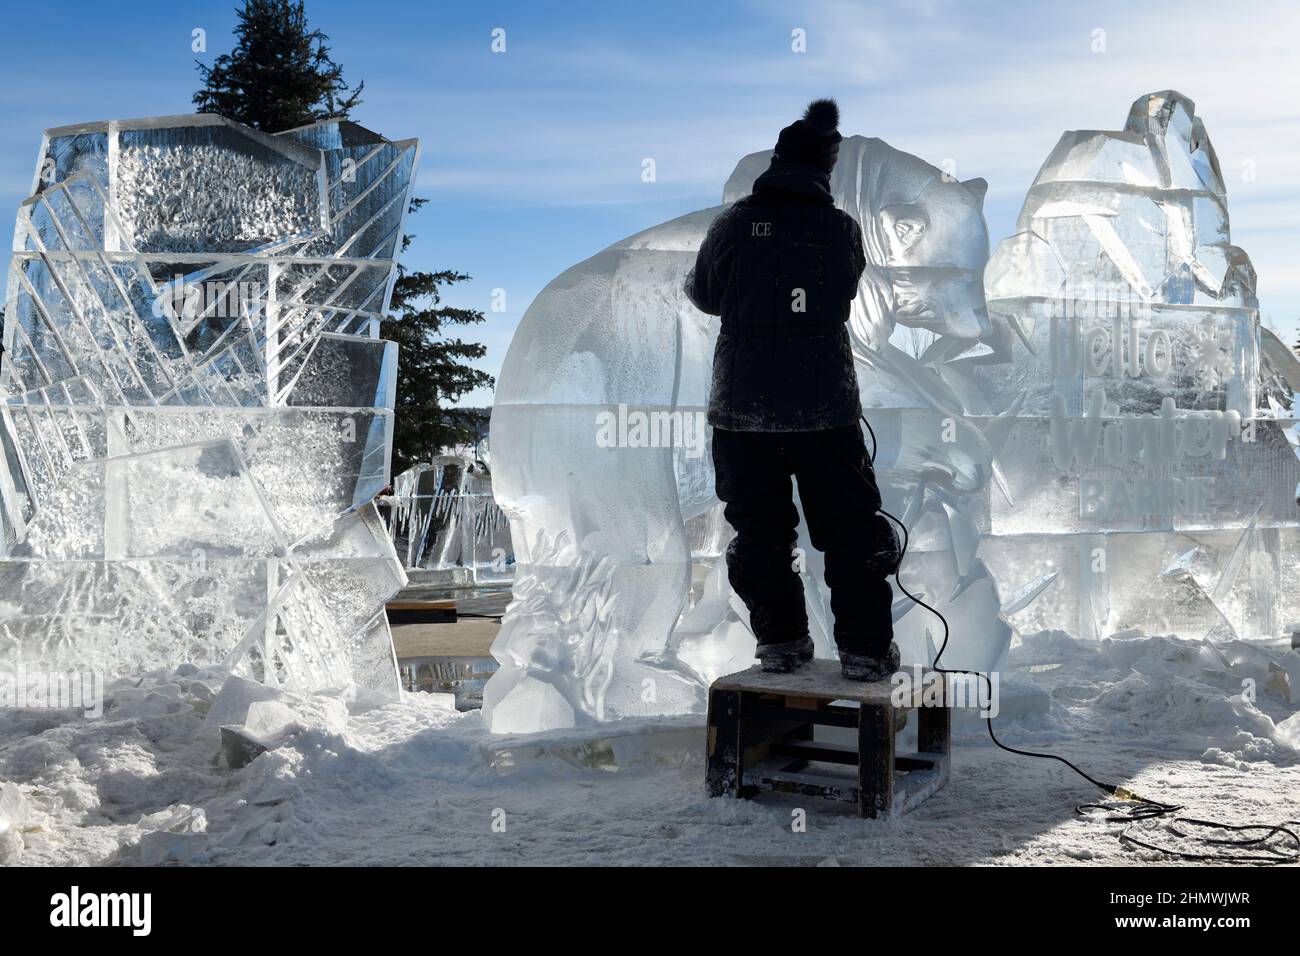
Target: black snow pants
[{"x": 837, "y": 488}]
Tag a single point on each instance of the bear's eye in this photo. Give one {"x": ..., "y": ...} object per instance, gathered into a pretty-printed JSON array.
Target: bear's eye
[{"x": 908, "y": 230}]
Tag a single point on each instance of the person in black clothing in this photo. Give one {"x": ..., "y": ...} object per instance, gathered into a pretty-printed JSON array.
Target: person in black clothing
[{"x": 781, "y": 267}]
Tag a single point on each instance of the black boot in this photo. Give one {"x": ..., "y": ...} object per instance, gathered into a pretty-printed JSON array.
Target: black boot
[
  {"x": 785, "y": 657},
  {"x": 867, "y": 668}
]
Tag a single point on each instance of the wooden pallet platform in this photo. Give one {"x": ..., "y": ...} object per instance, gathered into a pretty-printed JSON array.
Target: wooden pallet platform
[
  {"x": 421, "y": 612},
  {"x": 761, "y": 738}
]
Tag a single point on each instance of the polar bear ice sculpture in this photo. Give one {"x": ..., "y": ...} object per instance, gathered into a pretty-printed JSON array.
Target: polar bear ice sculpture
[{"x": 610, "y": 536}]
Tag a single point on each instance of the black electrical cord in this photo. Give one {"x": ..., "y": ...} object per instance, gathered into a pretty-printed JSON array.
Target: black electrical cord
[{"x": 1139, "y": 807}]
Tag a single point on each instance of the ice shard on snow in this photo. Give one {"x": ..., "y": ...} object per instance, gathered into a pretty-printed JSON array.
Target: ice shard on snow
[
  {"x": 1092, "y": 434},
  {"x": 195, "y": 404}
]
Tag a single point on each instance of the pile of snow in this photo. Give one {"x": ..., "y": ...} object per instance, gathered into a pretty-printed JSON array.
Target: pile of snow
[
  {"x": 1232, "y": 702},
  {"x": 342, "y": 777}
]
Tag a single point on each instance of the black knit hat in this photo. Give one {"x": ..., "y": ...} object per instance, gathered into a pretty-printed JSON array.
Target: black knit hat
[{"x": 814, "y": 139}]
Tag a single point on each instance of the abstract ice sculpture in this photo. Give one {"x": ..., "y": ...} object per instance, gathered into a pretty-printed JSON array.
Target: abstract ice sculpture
[
  {"x": 1152, "y": 464},
  {"x": 445, "y": 519},
  {"x": 1104, "y": 445},
  {"x": 196, "y": 407}
]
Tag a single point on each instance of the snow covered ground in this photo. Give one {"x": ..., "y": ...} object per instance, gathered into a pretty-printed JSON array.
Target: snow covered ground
[{"x": 414, "y": 782}]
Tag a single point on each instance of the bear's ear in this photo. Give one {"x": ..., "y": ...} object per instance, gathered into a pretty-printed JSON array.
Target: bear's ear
[{"x": 978, "y": 186}]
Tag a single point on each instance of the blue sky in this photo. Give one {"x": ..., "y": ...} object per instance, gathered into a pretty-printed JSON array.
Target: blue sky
[{"x": 532, "y": 158}]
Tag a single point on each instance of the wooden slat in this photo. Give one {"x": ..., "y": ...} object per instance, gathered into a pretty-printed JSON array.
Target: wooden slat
[
  {"x": 876, "y": 761},
  {"x": 804, "y": 784},
  {"x": 825, "y": 751},
  {"x": 827, "y": 716},
  {"x": 754, "y": 731},
  {"x": 820, "y": 680},
  {"x": 724, "y": 756},
  {"x": 916, "y": 761},
  {"x": 820, "y": 750},
  {"x": 934, "y": 730},
  {"x": 421, "y": 612}
]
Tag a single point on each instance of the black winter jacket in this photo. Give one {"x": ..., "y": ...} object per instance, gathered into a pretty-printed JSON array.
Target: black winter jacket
[{"x": 781, "y": 267}]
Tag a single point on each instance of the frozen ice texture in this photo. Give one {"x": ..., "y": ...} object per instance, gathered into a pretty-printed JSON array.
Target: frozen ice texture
[
  {"x": 1101, "y": 445},
  {"x": 195, "y": 405}
]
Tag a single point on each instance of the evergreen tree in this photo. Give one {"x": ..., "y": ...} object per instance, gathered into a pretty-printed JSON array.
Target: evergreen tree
[
  {"x": 431, "y": 368},
  {"x": 279, "y": 76}
]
